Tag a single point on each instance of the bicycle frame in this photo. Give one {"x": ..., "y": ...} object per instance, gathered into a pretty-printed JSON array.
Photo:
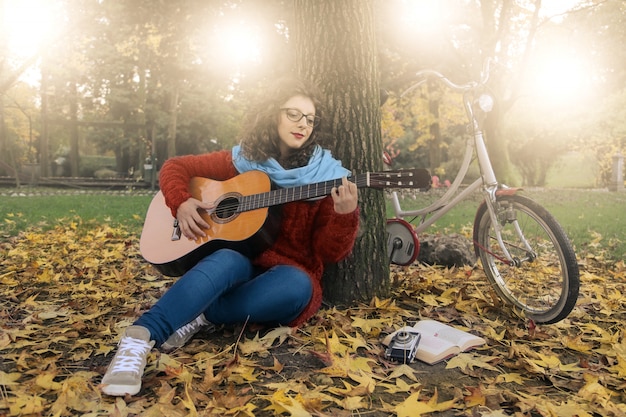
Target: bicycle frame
[
  {"x": 487, "y": 180},
  {"x": 542, "y": 279}
]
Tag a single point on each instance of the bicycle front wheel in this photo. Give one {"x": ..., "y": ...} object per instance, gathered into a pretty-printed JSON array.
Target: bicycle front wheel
[{"x": 543, "y": 278}]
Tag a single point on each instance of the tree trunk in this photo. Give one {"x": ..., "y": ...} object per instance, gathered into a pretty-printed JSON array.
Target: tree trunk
[
  {"x": 434, "y": 146},
  {"x": 173, "y": 119},
  {"x": 336, "y": 49},
  {"x": 4, "y": 147},
  {"x": 74, "y": 154},
  {"x": 44, "y": 159},
  {"x": 142, "y": 131},
  {"x": 498, "y": 147}
]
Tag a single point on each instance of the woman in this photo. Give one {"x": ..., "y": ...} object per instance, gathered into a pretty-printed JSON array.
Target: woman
[{"x": 282, "y": 285}]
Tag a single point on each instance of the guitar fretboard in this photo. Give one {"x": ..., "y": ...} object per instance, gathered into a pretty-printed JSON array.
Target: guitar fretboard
[{"x": 304, "y": 192}]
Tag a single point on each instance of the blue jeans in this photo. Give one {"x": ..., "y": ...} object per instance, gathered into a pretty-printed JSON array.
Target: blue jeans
[{"x": 228, "y": 289}]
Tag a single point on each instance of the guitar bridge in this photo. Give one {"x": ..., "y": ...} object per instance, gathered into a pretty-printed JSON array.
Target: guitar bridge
[{"x": 175, "y": 231}]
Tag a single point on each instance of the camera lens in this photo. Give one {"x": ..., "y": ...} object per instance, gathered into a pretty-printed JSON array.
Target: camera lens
[{"x": 403, "y": 337}]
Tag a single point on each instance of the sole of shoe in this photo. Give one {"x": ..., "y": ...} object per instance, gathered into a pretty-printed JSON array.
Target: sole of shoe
[{"x": 120, "y": 390}]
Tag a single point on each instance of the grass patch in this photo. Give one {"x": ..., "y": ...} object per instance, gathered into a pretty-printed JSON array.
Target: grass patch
[
  {"x": 592, "y": 219},
  {"x": 573, "y": 170},
  {"x": 46, "y": 208}
]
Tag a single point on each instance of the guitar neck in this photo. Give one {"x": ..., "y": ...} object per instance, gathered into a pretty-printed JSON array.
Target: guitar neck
[{"x": 303, "y": 192}]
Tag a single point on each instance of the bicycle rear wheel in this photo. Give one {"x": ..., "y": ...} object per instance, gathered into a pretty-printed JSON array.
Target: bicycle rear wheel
[{"x": 544, "y": 279}]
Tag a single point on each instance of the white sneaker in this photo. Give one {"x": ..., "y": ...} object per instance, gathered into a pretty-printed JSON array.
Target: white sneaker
[
  {"x": 123, "y": 376},
  {"x": 182, "y": 335}
]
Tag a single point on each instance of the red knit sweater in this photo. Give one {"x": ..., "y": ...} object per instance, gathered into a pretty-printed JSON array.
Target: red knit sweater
[{"x": 311, "y": 234}]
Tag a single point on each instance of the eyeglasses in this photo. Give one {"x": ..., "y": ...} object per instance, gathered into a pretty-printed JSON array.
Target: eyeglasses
[{"x": 296, "y": 115}]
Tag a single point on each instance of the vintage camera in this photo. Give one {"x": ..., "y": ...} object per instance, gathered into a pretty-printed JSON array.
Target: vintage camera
[{"x": 403, "y": 346}]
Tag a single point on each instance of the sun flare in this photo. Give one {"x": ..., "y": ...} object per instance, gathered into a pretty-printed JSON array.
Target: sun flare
[
  {"x": 239, "y": 43},
  {"x": 28, "y": 24},
  {"x": 421, "y": 15},
  {"x": 557, "y": 78}
]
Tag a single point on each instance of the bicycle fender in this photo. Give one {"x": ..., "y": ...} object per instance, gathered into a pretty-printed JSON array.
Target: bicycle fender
[{"x": 508, "y": 191}]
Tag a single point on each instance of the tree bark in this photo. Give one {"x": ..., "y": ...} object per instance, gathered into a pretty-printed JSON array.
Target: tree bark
[
  {"x": 4, "y": 148},
  {"x": 44, "y": 152},
  {"x": 434, "y": 146},
  {"x": 74, "y": 151},
  {"x": 173, "y": 119},
  {"x": 335, "y": 46}
]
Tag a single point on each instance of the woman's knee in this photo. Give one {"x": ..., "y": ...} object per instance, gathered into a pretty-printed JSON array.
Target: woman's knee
[
  {"x": 276, "y": 296},
  {"x": 298, "y": 286}
]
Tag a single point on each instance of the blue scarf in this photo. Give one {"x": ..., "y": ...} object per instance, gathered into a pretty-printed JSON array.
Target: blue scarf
[{"x": 321, "y": 167}]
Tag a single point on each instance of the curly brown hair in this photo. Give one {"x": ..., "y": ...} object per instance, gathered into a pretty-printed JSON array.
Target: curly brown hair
[{"x": 260, "y": 140}]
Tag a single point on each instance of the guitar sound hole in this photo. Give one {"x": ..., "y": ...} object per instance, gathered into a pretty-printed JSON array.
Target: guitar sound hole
[{"x": 227, "y": 208}]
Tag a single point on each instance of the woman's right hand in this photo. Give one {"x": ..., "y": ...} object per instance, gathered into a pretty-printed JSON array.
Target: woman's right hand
[{"x": 189, "y": 219}]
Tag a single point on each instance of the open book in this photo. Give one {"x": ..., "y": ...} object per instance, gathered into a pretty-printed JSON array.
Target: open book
[{"x": 439, "y": 341}]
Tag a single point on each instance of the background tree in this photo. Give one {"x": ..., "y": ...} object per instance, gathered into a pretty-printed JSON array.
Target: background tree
[
  {"x": 600, "y": 125},
  {"x": 3, "y": 70},
  {"x": 176, "y": 71},
  {"x": 521, "y": 37},
  {"x": 336, "y": 48}
]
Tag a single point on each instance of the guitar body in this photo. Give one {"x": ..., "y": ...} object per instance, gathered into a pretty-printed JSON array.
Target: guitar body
[{"x": 248, "y": 232}]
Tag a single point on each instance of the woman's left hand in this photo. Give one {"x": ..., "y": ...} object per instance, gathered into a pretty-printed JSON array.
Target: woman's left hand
[{"x": 346, "y": 196}]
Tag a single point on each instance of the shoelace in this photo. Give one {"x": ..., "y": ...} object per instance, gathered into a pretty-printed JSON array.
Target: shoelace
[
  {"x": 189, "y": 327},
  {"x": 130, "y": 355}
]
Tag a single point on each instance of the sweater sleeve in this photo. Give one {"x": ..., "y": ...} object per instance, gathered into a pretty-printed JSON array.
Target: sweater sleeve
[
  {"x": 178, "y": 171},
  {"x": 335, "y": 233}
]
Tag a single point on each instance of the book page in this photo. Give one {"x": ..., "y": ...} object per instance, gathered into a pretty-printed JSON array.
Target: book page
[
  {"x": 434, "y": 349},
  {"x": 460, "y": 338}
]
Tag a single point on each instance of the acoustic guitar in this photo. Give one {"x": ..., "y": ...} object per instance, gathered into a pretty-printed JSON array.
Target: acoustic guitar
[{"x": 246, "y": 216}]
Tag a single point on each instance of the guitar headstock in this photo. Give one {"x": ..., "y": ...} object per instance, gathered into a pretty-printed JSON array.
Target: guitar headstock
[{"x": 416, "y": 178}]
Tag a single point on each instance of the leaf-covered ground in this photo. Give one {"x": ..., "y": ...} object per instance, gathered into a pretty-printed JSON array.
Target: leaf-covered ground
[{"x": 67, "y": 294}]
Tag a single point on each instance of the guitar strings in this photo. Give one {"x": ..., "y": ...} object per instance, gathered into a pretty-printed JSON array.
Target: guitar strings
[
  {"x": 280, "y": 196},
  {"x": 274, "y": 197}
]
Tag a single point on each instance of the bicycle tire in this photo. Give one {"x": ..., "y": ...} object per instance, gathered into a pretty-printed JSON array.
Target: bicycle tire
[{"x": 545, "y": 287}]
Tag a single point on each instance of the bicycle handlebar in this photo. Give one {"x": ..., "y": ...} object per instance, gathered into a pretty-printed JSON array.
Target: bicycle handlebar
[{"x": 425, "y": 74}]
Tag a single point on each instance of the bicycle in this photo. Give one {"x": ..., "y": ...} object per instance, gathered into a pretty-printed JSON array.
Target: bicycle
[{"x": 525, "y": 254}]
